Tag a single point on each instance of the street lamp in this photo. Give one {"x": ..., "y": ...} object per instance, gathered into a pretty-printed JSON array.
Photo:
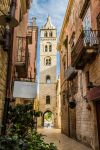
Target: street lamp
[{"x": 91, "y": 85}]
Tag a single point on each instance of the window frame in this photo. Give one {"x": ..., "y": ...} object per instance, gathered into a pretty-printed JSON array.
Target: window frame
[
  {"x": 46, "y": 48},
  {"x": 48, "y": 79},
  {"x": 48, "y": 61},
  {"x": 48, "y": 100}
]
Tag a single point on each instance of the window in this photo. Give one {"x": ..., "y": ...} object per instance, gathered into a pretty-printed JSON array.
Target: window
[
  {"x": 46, "y": 48},
  {"x": 50, "y": 48},
  {"x": 45, "y": 34},
  {"x": 72, "y": 41},
  {"x": 29, "y": 39},
  {"x": 50, "y": 34},
  {"x": 47, "y": 99},
  {"x": 64, "y": 65},
  {"x": 48, "y": 80},
  {"x": 48, "y": 61}
]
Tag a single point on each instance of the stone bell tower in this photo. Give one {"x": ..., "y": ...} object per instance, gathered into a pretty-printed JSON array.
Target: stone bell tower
[{"x": 47, "y": 79}]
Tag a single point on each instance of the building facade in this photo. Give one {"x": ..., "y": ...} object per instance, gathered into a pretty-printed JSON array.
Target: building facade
[
  {"x": 32, "y": 35},
  {"x": 18, "y": 10},
  {"x": 47, "y": 79},
  {"x": 79, "y": 45},
  {"x": 58, "y": 102},
  {"x": 25, "y": 65}
]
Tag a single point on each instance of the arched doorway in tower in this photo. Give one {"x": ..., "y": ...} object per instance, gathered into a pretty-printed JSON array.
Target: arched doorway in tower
[{"x": 48, "y": 119}]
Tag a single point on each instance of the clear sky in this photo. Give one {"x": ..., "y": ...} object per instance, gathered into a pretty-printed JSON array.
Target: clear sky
[{"x": 41, "y": 9}]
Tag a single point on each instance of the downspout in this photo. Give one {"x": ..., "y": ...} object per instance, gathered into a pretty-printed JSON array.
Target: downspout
[
  {"x": 68, "y": 93},
  {"x": 9, "y": 47}
]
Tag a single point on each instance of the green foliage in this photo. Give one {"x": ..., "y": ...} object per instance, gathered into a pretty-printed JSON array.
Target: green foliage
[
  {"x": 21, "y": 118},
  {"x": 32, "y": 141},
  {"x": 37, "y": 113},
  {"x": 21, "y": 135},
  {"x": 48, "y": 116}
]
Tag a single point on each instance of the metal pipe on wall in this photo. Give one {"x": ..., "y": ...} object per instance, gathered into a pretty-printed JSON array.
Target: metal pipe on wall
[{"x": 9, "y": 43}]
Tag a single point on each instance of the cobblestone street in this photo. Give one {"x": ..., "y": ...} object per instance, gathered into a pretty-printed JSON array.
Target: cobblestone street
[{"x": 60, "y": 140}]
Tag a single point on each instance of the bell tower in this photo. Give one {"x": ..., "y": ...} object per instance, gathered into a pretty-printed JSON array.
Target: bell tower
[{"x": 47, "y": 79}]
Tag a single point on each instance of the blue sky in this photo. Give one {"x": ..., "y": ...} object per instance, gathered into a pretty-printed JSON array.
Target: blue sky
[{"x": 55, "y": 9}]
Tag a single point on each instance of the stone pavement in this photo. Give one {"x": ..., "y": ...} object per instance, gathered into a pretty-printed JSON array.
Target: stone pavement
[{"x": 60, "y": 140}]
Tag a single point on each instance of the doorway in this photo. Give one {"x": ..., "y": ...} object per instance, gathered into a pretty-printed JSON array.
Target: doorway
[
  {"x": 98, "y": 119},
  {"x": 48, "y": 119}
]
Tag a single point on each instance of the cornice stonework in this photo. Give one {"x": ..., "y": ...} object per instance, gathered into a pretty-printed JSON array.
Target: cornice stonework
[{"x": 65, "y": 22}]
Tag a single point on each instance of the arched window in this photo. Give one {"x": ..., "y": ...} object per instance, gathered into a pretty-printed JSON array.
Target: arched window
[
  {"x": 48, "y": 61},
  {"x": 46, "y": 48},
  {"x": 50, "y": 48},
  {"x": 45, "y": 34},
  {"x": 48, "y": 79},
  {"x": 48, "y": 99},
  {"x": 50, "y": 34}
]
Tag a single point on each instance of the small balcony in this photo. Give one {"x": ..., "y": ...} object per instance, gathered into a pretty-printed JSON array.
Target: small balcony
[
  {"x": 85, "y": 49},
  {"x": 70, "y": 73},
  {"x": 22, "y": 57}
]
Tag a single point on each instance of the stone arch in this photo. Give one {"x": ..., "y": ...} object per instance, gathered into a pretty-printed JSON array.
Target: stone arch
[
  {"x": 52, "y": 121},
  {"x": 48, "y": 79}
]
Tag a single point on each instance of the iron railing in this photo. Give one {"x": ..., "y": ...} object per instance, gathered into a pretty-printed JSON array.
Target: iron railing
[
  {"x": 22, "y": 49},
  {"x": 88, "y": 39}
]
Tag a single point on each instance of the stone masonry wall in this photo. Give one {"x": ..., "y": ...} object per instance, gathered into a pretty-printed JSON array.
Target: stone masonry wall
[{"x": 3, "y": 72}]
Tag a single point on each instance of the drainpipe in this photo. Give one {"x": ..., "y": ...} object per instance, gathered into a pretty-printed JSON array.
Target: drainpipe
[
  {"x": 68, "y": 96},
  {"x": 9, "y": 48}
]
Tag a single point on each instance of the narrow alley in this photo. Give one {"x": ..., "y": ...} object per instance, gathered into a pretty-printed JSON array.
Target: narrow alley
[
  {"x": 50, "y": 74},
  {"x": 62, "y": 142}
]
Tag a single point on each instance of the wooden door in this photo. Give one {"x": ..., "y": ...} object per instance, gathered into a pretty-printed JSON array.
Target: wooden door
[
  {"x": 98, "y": 118},
  {"x": 73, "y": 123}
]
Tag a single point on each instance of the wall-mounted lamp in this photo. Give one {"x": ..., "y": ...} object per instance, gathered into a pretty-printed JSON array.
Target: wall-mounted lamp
[
  {"x": 72, "y": 103},
  {"x": 91, "y": 85},
  {"x": 4, "y": 19}
]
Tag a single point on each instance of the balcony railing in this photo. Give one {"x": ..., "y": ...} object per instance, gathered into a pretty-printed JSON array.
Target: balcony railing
[
  {"x": 70, "y": 73},
  {"x": 22, "y": 56},
  {"x": 85, "y": 49},
  {"x": 21, "y": 49}
]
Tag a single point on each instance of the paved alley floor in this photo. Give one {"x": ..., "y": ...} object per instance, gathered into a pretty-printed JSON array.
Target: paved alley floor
[{"x": 60, "y": 140}]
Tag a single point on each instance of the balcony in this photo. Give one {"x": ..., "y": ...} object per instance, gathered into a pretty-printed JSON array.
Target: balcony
[
  {"x": 70, "y": 73},
  {"x": 85, "y": 49},
  {"x": 22, "y": 57}
]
